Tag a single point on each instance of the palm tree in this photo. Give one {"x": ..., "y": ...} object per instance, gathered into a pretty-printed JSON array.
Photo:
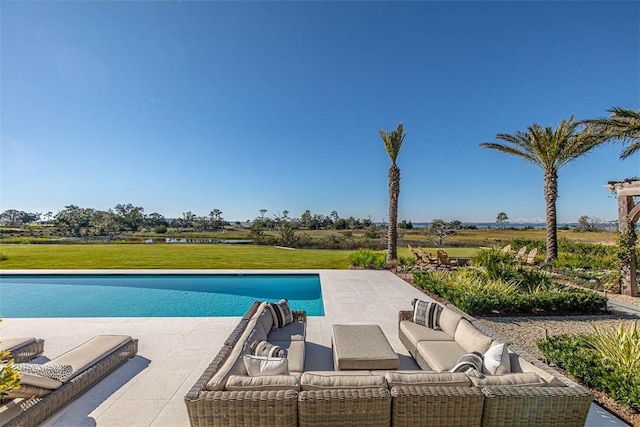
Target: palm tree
[
  {"x": 549, "y": 149},
  {"x": 623, "y": 125},
  {"x": 392, "y": 143}
]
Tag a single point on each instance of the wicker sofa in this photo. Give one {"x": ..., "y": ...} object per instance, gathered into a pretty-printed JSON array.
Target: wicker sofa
[
  {"x": 226, "y": 396},
  {"x": 531, "y": 394}
]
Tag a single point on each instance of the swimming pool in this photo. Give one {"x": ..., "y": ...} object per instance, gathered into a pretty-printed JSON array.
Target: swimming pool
[{"x": 153, "y": 295}]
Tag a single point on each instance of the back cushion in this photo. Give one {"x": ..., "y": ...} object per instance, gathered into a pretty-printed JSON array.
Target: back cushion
[
  {"x": 528, "y": 379},
  {"x": 449, "y": 320},
  {"x": 269, "y": 382},
  {"x": 311, "y": 381},
  {"x": 471, "y": 339},
  {"x": 266, "y": 319},
  {"x": 444, "y": 379}
]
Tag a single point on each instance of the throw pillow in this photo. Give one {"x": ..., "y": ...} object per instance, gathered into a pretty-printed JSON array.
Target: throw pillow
[
  {"x": 496, "y": 360},
  {"x": 265, "y": 348},
  {"x": 427, "y": 314},
  {"x": 281, "y": 313},
  {"x": 52, "y": 371},
  {"x": 468, "y": 361},
  {"x": 262, "y": 365}
]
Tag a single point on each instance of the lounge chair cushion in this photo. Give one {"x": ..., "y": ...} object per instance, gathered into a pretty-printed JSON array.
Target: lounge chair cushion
[
  {"x": 496, "y": 360},
  {"x": 443, "y": 379},
  {"x": 33, "y": 386},
  {"x": 38, "y": 381},
  {"x": 53, "y": 371},
  {"x": 417, "y": 333},
  {"x": 440, "y": 355},
  {"x": 528, "y": 379},
  {"x": 471, "y": 339},
  {"x": 262, "y": 365},
  {"x": 87, "y": 354},
  {"x": 340, "y": 379},
  {"x": 295, "y": 354},
  {"x": 264, "y": 382},
  {"x": 10, "y": 343},
  {"x": 295, "y": 331}
]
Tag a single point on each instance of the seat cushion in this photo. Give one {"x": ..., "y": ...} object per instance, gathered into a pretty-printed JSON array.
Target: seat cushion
[
  {"x": 471, "y": 339},
  {"x": 295, "y": 352},
  {"x": 89, "y": 353},
  {"x": 440, "y": 355},
  {"x": 416, "y": 333},
  {"x": 295, "y": 331}
]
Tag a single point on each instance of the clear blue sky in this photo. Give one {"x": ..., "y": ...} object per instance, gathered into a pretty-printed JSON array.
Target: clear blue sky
[{"x": 192, "y": 106}]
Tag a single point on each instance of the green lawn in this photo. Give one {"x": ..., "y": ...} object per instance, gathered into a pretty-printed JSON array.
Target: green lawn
[{"x": 177, "y": 256}]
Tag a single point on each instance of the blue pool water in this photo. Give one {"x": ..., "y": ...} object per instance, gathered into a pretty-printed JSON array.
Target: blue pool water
[{"x": 161, "y": 295}]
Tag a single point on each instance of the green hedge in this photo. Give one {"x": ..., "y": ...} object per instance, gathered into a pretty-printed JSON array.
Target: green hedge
[
  {"x": 477, "y": 295},
  {"x": 582, "y": 361}
]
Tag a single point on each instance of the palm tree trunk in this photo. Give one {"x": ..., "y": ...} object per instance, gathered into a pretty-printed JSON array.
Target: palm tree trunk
[
  {"x": 550, "y": 197},
  {"x": 394, "y": 193}
]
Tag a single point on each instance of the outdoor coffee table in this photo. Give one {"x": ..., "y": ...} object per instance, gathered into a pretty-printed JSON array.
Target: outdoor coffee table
[{"x": 362, "y": 347}]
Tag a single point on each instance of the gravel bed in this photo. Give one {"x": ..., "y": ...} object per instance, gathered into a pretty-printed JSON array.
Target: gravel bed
[{"x": 524, "y": 332}]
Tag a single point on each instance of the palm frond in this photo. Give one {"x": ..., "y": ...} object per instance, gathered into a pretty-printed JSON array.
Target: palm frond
[
  {"x": 393, "y": 141},
  {"x": 623, "y": 125}
]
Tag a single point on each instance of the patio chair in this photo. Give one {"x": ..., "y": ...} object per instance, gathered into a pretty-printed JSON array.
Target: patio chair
[
  {"x": 521, "y": 252},
  {"x": 506, "y": 249},
  {"x": 531, "y": 257},
  {"x": 445, "y": 260},
  {"x": 426, "y": 257},
  {"x": 22, "y": 349},
  {"x": 40, "y": 396}
]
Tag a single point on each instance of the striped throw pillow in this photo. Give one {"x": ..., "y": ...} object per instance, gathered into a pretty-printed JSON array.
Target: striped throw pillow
[
  {"x": 281, "y": 313},
  {"x": 265, "y": 348},
  {"x": 427, "y": 314},
  {"x": 468, "y": 361}
]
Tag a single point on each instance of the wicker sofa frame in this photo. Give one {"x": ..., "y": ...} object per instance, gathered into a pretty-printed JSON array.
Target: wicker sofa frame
[
  {"x": 507, "y": 405},
  {"x": 34, "y": 410}
]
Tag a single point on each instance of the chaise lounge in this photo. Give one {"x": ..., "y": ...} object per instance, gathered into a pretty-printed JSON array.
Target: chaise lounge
[
  {"x": 40, "y": 396},
  {"x": 22, "y": 349}
]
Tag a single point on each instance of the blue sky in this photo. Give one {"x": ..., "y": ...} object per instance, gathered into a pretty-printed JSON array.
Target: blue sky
[{"x": 240, "y": 106}]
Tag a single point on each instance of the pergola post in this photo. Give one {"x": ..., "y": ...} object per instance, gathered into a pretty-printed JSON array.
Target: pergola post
[{"x": 627, "y": 217}]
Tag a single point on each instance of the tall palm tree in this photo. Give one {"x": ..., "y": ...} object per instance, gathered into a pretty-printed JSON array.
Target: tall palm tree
[
  {"x": 549, "y": 149},
  {"x": 392, "y": 143},
  {"x": 622, "y": 125}
]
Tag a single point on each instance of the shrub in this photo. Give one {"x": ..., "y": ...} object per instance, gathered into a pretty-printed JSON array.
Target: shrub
[
  {"x": 473, "y": 292},
  {"x": 160, "y": 229},
  {"x": 366, "y": 258},
  {"x": 605, "y": 361}
]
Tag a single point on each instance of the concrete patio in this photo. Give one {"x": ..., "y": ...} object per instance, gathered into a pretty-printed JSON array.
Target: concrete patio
[{"x": 173, "y": 352}]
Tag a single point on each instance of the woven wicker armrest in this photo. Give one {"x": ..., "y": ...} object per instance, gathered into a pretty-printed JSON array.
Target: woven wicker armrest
[
  {"x": 438, "y": 406},
  {"x": 272, "y": 408},
  {"x": 300, "y": 315},
  {"x": 536, "y": 406},
  {"x": 405, "y": 315},
  {"x": 28, "y": 351},
  {"x": 367, "y": 407}
]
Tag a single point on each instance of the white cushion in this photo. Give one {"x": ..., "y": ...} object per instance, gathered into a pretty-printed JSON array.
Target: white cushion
[
  {"x": 497, "y": 361},
  {"x": 261, "y": 365}
]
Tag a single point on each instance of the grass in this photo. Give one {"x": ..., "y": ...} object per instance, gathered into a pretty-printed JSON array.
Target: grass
[
  {"x": 178, "y": 256},
  {"x": 173, "y": 256}
]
